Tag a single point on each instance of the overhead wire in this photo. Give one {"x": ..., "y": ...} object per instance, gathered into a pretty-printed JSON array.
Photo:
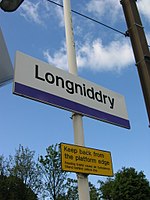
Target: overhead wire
[
  {"x": 126, "y": 34},
  {"x": 90, "y": 18}
]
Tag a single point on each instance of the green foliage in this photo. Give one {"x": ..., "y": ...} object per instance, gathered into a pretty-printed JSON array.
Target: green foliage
[
  {"x": 94, "y": 193},
  {"x": 106, "y": 189},
  {"x": 23, "y": 166},
  {"x": 127, "y": 184},
  {"x": 2, "y": 165},
  {"x": 21, "y": 178},
  {"x": 52, "y": 175},
  {"x": 71, "y": 189},
  {"x": 13, "y": 188}
]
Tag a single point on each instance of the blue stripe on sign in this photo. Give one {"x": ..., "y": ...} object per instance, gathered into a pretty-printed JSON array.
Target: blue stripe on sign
[{"x": 48, "y": 98}]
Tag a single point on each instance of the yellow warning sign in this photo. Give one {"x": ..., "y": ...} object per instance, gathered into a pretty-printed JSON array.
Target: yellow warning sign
[{"x": 86, "y": 160}]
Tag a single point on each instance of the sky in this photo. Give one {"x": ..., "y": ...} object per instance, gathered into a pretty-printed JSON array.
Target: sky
[{"x": 104, "y": 57}]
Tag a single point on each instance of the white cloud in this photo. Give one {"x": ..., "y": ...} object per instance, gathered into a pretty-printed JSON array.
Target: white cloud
[
  {"x": 104, "y": 8},
  {"x": 115, "y": 56},
  {"x": 60, "y": 16},
  {"x": 96, "y": 6},
  {"x": 30, "y": 11},
  {"x": 94, "y": 55},
  {"x": 144, "y": 8},
  {"x": 40, "y": 11},
  {"x": 58, "y": 59}
]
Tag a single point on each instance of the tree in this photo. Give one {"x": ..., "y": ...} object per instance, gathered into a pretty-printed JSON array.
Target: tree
[
  {"x": 13, "y": 188},
  {"x": 23, "y": 166},
  {"x": 3, "y": 165},
  {"x": 127, "y": 184},
  {"x": 27, "y": 176},
  {"x": 71, "y": 192},
  {"x": 106, "y": 189},
  {"x": 52, "y": 175},
  {"x": 94, "y": 193},
  {"x": 71, "y": 189}
]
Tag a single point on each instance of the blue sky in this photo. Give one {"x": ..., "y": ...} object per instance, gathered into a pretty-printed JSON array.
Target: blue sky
[{"x": 104, "y": 57}]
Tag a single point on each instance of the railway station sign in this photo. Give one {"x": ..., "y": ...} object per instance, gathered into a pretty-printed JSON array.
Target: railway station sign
[
  {"x": 86, "y": 160},
  {"x": 43, "y": 82}
]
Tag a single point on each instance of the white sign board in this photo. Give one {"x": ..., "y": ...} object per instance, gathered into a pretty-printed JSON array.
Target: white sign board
[
  {"x": 43, "y": 82},
  {"x": 6, "y": 69}
]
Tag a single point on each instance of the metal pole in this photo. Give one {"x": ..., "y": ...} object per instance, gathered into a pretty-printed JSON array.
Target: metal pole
[
  {"x": 140, "y": 47},
  {"x": 83, "y": 186}
]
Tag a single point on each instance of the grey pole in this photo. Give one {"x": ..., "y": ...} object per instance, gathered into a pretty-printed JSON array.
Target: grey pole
[
  {"x": 140, "y": 47},
  {"x": 83, "y": 187}
]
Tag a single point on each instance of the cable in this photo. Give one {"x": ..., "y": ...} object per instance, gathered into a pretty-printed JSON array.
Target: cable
[
  {"x": 94, "y": 20},
  {"x": 126, "y": 34}
]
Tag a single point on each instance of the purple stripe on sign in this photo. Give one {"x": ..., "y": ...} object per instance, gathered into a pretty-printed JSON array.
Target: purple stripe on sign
[{"x": 48, "y": 98}]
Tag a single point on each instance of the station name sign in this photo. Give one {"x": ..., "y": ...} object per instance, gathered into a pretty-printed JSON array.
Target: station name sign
[
  {"x": 86, "y": 160},
  {"x": 43, "y": 82}
]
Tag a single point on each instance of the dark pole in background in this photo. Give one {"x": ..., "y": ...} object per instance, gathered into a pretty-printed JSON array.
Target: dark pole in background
[{"x": 140, "y": 47}]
